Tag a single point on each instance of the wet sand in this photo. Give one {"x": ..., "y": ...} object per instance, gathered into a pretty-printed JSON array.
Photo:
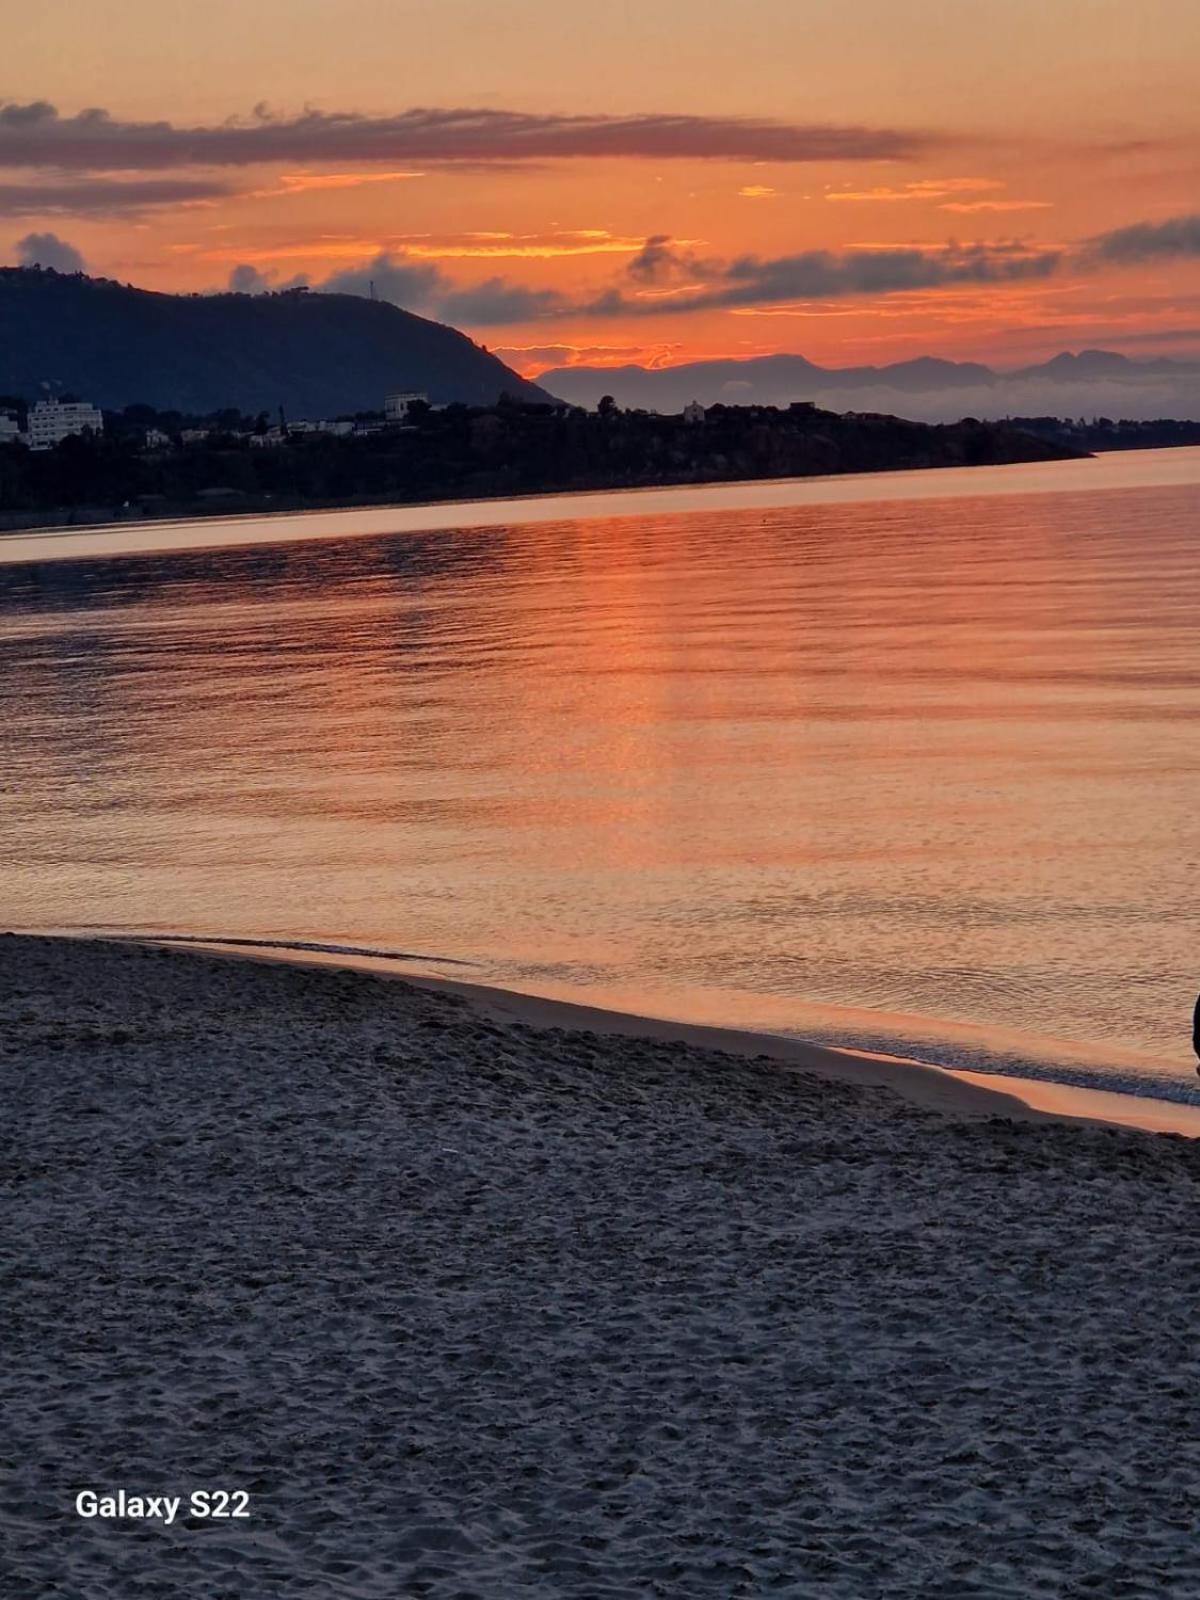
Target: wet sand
[
  {"x": 922, "y": 1082},
  {"x": 475, "y": 1303}
]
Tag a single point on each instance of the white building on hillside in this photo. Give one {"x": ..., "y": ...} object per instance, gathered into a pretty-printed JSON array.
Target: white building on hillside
[
  {"x": 396, "y": 407},
  {"x": 52, "y": 421},
  {"x": 693, "y": 412}
]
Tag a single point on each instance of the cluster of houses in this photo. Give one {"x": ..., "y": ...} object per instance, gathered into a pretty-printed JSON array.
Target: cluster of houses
[
  {"x": 51, "y": 421},
  {"x": 396, "y": 410}
]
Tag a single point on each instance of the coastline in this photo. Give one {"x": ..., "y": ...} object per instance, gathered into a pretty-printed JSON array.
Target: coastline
[
  {"x": 199, "y": 515},
  {"x": 959, "y": 1091},
  {"x": 1112, "y": 472},
  {"x": 467, "y": 1304},
  {"x": 954, "y": 1090},
  {"x": 222, "y": 528},
  {"x": 1016, "y": 448}
]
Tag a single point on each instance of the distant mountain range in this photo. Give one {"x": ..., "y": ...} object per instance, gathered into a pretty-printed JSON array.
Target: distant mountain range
[
  {"x": 313, "y": 354},
  {"x": 1092, "y": 382}
]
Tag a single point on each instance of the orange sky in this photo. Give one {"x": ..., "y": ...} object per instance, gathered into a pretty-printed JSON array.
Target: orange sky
[{"x": 861, "y": 182}]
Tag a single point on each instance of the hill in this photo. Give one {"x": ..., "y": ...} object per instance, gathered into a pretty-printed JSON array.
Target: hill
[
  {"x": 314, "y": 354},
  {"x": 1093, "y": 382}
]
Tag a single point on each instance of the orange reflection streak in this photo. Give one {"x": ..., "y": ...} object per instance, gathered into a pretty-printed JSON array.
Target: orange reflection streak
[{"x": 913, "y": 757}]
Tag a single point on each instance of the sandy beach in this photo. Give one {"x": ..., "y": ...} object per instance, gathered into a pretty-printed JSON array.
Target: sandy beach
[{"x": 470, "y": 1304}]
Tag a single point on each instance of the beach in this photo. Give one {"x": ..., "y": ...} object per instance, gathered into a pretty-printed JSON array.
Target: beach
[{"x": 469, "y": 1305}]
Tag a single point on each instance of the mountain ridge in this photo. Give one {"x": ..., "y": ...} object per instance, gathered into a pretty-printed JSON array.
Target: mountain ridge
[
  {"x": 312, "y": 354},
  {"x": 947, "y": 385}
]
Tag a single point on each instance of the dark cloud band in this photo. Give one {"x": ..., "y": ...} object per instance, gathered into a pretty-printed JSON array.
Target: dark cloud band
[
  {"x": 752, "y": 280},
  {"x": 1150, "y": 241},
  {"x": 104, "y": 197},
  {"x": 36, "y": 135}
]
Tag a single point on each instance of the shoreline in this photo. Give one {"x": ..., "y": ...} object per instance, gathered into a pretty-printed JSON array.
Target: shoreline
[
  {"x": 223, "y": 528},
  {"x": 199, "y": 515},
  {"x": 955, "y": 1090},
  {"x": 282, "y": 506}
]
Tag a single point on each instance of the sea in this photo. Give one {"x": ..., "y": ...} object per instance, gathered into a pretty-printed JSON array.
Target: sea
[{"x": 908, "y": 762}]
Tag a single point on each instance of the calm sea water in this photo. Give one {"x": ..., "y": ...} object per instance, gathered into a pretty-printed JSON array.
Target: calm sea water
[{"x": 910, "y": 763}]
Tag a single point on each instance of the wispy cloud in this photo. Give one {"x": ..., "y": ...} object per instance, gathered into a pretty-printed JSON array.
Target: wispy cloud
[
  {"x": 491, "y": 245},
  {"x": 966, "y": 207},
  {"x": 532, "y": 246},
  {"x": 303, "y": 182},
  {"x": 37, "y": 135},
  {"x": 530, "y": 359},
  {"x": 919, "y": 189},
  {"x": 105, "y": 197}
]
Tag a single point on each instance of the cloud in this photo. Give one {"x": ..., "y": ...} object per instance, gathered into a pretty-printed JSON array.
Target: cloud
[
  {"x": 666, "y": 261},
  {"x": 1149, "y": 241},
  {"x": 655, "y": 261},
  {"x": 671, "y": 280},
  {"x": 418, "y": 286},
  {"x": 495, "y": 301},
  {"x": 37, "y": 135},
  {"x": 752, "y": 281},
  {"x": 755, "y": 191},
  {"x": 410, "y": 284},
  {"x": 105, "y": 197},
  {"x": 414, "y": 285},
  {"x": 665, "y": 277},
  {"x": 48, "y": 250},
  {"x": 245, "y": 279}
]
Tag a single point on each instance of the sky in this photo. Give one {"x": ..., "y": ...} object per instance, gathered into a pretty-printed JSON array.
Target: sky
[{"x": 851, "y": 180}]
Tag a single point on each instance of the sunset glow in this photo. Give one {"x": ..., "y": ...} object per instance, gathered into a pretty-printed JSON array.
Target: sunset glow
[{"x": 596, "y": 187}]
